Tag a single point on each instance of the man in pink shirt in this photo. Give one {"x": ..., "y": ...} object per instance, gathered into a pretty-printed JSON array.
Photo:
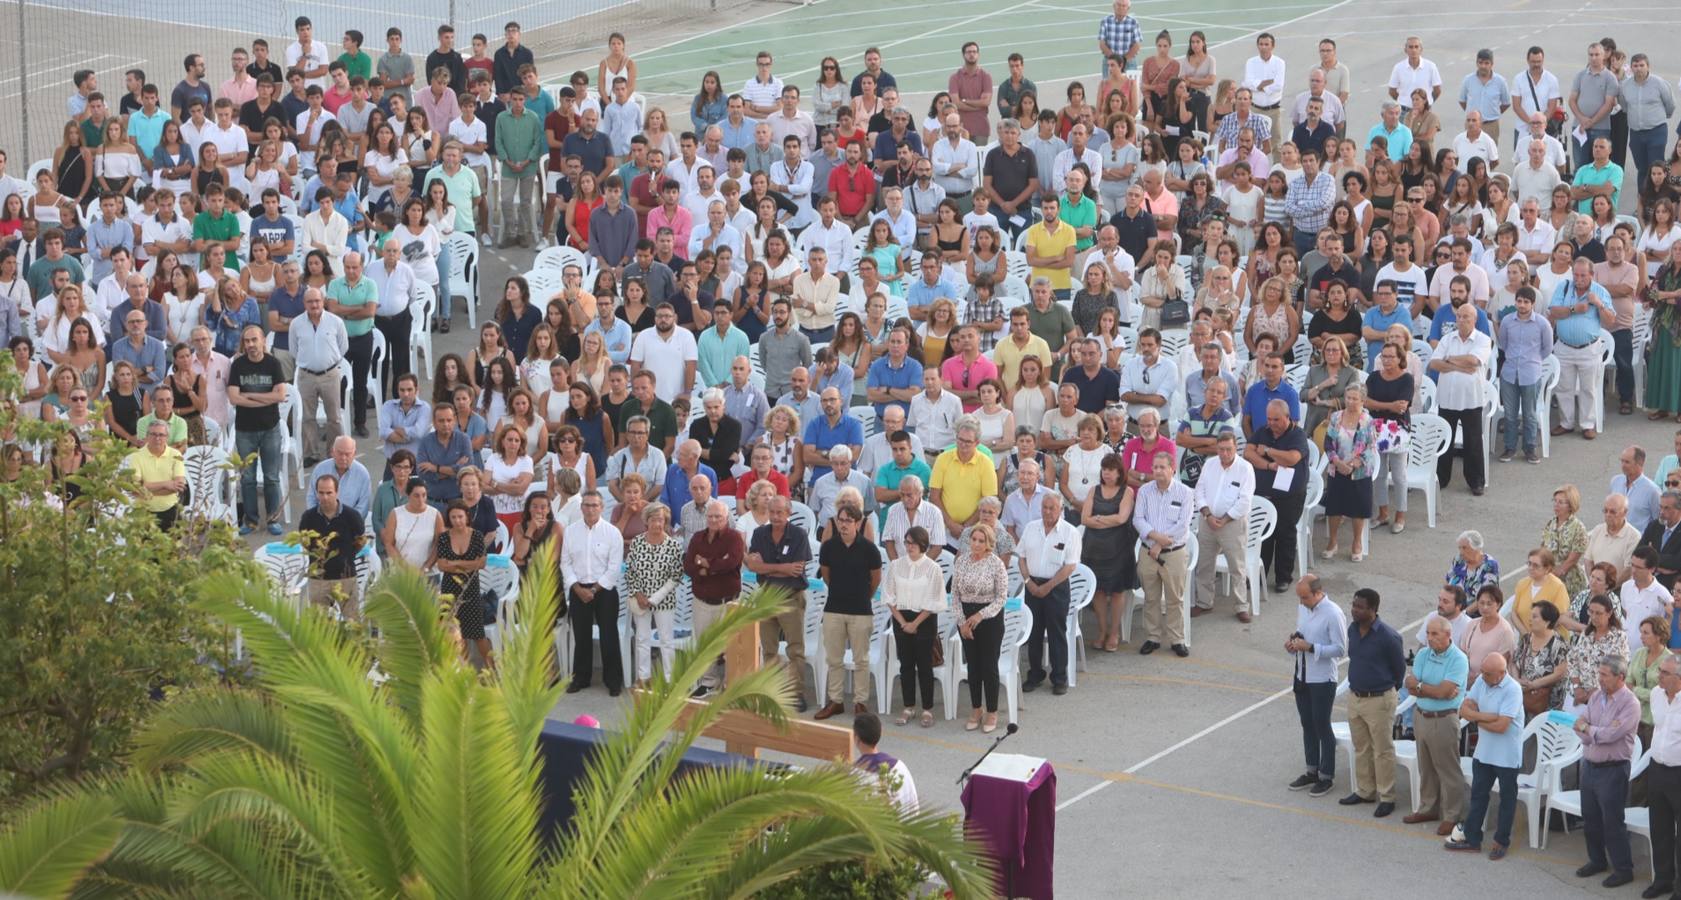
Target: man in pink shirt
[
  {"x": 671, "y": 214},
  {"x": 967, "y": 368}
]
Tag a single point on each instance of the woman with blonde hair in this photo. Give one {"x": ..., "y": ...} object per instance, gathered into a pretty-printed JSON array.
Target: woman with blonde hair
[
  {"x": 1566, "y": 538},
  {"x": 653, "y": 569},
  {"x": 782, "y": 436}
]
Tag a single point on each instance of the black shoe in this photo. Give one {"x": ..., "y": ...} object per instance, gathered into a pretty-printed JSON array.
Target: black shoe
[
  {"x": 1478, "y": 491},
  {"x": 1059, "y": 689},
  {"x": 1320, "y": 788},
  {"x": 1281, "y": 587},
  {"x": 1304, "y": 781},
  {"x": 1353, "y": 800},
  {"x": 575, "y": 687},
  {"x": 699, "y": 693},
  {"x": 1655, "y": 891},
  {"x": 1030, "y": 685},
  {"x": 1181, "y": 651},
  {"x": 443, "y": 327},
  {"x": 1148, "y": 647},
  {"x": 361, "y": 431},
  {"x": 1383, "y": 810},
  {"x": 800, "y": 704},
  {"x": 1463, "y": 847},
  {"x": 311, "y": 462},
  {"x": 1617, "y": 879},
  {"x": 614, "y": 691},
  {"x": 1590, "y": 870}
]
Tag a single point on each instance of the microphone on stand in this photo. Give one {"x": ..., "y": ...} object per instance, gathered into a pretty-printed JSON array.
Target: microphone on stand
[{"x": 1009, "y": 729}]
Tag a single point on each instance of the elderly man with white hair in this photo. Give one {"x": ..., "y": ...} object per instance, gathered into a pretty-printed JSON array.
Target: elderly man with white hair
[
  {"x": 911, "y": 512},
  {"x": 878, "y": 448},
  {"x": 356, "y": 488},
  {"x": 841, "y": 474},
  {"x": 719, "y": 437},
  {"x": 1022, "y": 505},
  {"x": 1614, "y": 539},
  {"x": 395, "y": 281},
  {"x": 692, "y": 517},
  {"x": 688, "y": 464}
]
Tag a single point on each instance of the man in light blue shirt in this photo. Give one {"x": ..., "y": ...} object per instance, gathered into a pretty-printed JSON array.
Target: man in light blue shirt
[
  {"x": 930, "y": 287},
  {"x": 145, "y": 125},
  {"x": 1580, "y": 311},
  {"x": 107, "y": 232},
  {"x": 1398, "y": 136},
  {"x": 1487, "y": 93},
  {"x": 745, "y": 401},
  {"x": 404, "y": 420},
  {"x": 140, "y": 350},
  {"x": 719, "y": 346},
  {"x": 1319, "y": 641},
  {"x": 1642, "y": 492},
  {"x": 356, "y": 489},
  {"x": 1527, "y": 340},
  {"x": 1437, "y": 681},
  {"x": 1495, "y": 705},
  {"x": 1387, "y": 311},
  {"x": 830, "y": 372},
  {"x": 615, "y": 332}
]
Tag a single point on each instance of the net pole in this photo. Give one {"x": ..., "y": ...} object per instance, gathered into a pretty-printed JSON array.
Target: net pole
[
  {"x": 452, "y": 13},
  {"x": 23, "y": 80}
]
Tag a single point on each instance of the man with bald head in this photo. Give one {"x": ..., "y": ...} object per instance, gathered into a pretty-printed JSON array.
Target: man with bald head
[
  {"x": 1439, "y": 673},
  {"x": 713, "y": 560},
  {"x": 355, "y": 486},
  {"x": 1280, "y": 446},
  {"x": 1495, "y": 705},
  {"x": 692, "y": 517},
  {"x": 1613, "y": 540},
  {"x": 833, "y": 428}
]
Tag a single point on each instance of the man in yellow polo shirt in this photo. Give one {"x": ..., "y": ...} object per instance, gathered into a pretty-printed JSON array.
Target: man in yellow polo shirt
[
  {"x": 162, "y": 474},
  {"x": 1020, "y": 343},
  {"x": 962, "y": 477},
  {"x": 1050, "y": 248}
]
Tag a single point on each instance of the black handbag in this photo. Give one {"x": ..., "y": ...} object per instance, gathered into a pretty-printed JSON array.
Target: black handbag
[{"x": 1176, "y": 313}]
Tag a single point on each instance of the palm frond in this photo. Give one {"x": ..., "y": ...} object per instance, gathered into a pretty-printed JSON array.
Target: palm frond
[
  {"x": 528, "y": 651},
  {"x": 475, "y": 830},
  {"x": 212, "y": 720},
  {"x": 933, "y": 839},
  {"x": 413, "y": 640},
  {"x": 49, "y": 848}
]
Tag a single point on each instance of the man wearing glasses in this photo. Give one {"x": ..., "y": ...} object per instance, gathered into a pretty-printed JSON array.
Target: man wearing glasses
[
  {"x": 1664, "y": 536},
  {"x": 763, "y": 92},
  {"x": 160, "y": 469}
]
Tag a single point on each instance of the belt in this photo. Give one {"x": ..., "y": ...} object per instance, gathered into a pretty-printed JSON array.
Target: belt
[
  {"x": 1607, "y": 764},
  {"x": 1369, "y": 694},
  {"x": 964, "y": 194},
  {"x": 1577, "y": 346},
  {"x": 320, "y": 373},
  {"x": 1437, "y": 713},
  {"x": 1174, "y": 549},
  {"x": 1267, "y": 108}
]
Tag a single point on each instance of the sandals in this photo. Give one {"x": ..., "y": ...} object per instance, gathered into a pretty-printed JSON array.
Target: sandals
[
  {"x": 991, "y": 723},
  {"x": 1329, "y": 552},
  {"x": 927, "y": 718},
  {"x": 974, "y": 721},
  {"x": 1656, "y": 415},
  {"x": 1359, "y": 555},
  {"x": 1113, "y": 645},
  {"x": 905, "y": 717},
  {"x": 1398, "y": 527}
]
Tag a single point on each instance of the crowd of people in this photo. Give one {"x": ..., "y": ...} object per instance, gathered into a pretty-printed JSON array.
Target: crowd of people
[{"x": 923, "y": 366}]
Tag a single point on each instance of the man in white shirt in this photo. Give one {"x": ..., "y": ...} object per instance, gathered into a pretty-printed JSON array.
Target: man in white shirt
[
  {"x": 1263, "y": 75},
  {"x": 1408, "y": 278},
  {"x": 790, "y": 121},
  {"x": 1162, "y": 514},
  {"x": 878, "y": 447},
  {"x": 1414, "y": 73},
  {"x": 230, "y": 141},
  {"x": 1331, "y": 110},
  {"x": 898, "y": 218},
  {"x": 318, "y": 343},
  {"x": 1077, "y": 152},
  {"x": 911, "y": 511},
  {"x": 1461, "y": 360},
  {"x": 1442, "y": 282},
  {"x": 395, "y": 280},
  {"x": 1643, "y": 596},
  {"x": 829, "y": 234},
  {"x": 592, "y": 554},
  {"x": 1535, "y": 93},
  {"x": 1536, "y": 236},
  {"x": 791, "y": 177},
  {"x": 1474, "y": 141},
  {"x": 1047, "y": 553},
  {"x": 669, "y": 352},
  {"x": 1149, "y": 379},
  {"x": 308, "y": 127},
  {"x": 308, "y": 54},
  {"x": 702, "y": 193},
  {"x": 934, "y": 413},
  {"x": 714, "y": 232},
  {"x": 763, "y": 91},
  {"x": 1224, "y": 490},
  {"x": 1663, "y": 773},
  {"x": 955, "y": 163},
  {"x": 1614, "y": 539}
]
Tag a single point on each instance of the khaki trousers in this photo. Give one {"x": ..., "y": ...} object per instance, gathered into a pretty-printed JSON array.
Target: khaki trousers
[
  {"x": 1231, "y": 540},
  {"x": 788, "y": 625},
  {"x": 340, "y": 592},
  {"x": 1371, "y": 722},
  {"x": 839, "y": 632},
  {"x": 1164, "y": 596},
  {"x": 1442, "y": 786},
  {"x": 707, "y": 615}
]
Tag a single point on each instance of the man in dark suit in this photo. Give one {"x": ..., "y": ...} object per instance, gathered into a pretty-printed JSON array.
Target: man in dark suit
[{"x": 1664, "y": 534}]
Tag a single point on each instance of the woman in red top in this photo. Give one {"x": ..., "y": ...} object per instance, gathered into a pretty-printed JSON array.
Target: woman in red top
[{"x": 585, "y": 199}]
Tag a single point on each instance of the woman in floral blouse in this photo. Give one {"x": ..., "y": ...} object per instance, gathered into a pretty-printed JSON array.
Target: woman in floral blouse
[
  {"x": 653, "y": 567},
  {"x": 1351, "y": 451},
  {"x": 1473, "y": 568},
  {"x": 1602, "y": 579},
  {"x": 1540, "y": 660},
  {"x": 978, "y": 587},
  {"x": 1567, "y": 538},
  {"x": 1604, "y": 639}
]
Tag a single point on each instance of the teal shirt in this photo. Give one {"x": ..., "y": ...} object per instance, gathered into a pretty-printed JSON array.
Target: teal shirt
[
  {"x": 890, "y": 473},
  {"x": 717, "y": 353},
  {"x": 1431, "y": 667},
  {"x": 362, "y": 294},
  {"x": 463, "y": 189},
  {"x": 146, "y": 131},
  {"x": 519, "y": 138},
  {"x": 1591, "y": 176},
  {"x": 1081, "y": 215},
  {"x": 218, "y": 228}
]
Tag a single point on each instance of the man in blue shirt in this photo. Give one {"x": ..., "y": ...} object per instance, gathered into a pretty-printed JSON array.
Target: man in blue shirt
[
  {"x": 1374, "y": 326},
  {"x": 1272, "y": 386},
  {"x": 1495, "y": 705},
  {"x": 1437, "y": 681},
  {"x": 1459, "y": 294},
  {"x": 675, "y": 493},
  {"x": 440, "y": 456},
  {"x": 140, "y": 350},
  {"x": 922, "y": 293},
  {"x": 402, "y": 422},
  {"x": 1376, "y": 668},
  {"x": 832, "y": 428},
  {"x": 615, "y": 332},
  {"x": 1526, "y": 339},
  {"x": 1580, "y": 311},
  {"x": 895, "y": 378}
]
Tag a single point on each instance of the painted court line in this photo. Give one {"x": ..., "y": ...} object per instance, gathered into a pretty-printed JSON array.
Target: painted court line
[{"x": 1162, "y": 754}]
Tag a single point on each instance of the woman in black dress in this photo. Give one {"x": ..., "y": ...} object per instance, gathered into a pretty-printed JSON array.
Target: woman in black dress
[
  {"x": 186, "y": 387},
  {"x": 1389, "y": 395},
  {"x": 459, "y": 556},
  {"x": 122, "y": 407},
  {"x": 1107, "y": 549}
]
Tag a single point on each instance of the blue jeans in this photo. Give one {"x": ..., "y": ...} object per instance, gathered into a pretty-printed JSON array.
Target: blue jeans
[
  {"x": 267, "y": 445},
  {"x": 819, "y": 335},
  {"x": 1647, "y": 147},
  {"x": 1483, "y": 777},
  {"x": 1584, "y": 151},
  {"x": 1519, "y": 402},
  {"x": 1313, "y": 705},
  {"x": 443, "y": 284},
  {"x": 1305, "y": 241}
]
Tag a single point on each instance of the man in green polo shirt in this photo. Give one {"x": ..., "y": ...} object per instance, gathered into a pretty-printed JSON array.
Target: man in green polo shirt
[
  {"x": 905, "y": 461},
  {"x": 520, "y": 143},
  {"x": 163, "y": 410},
  {"x": 460, "y": 183},
  {"x": 355, "y": 299},
  {"x": 217, "y": 225},
  {"x": 662, "y": 419},
  {"x": 1602, "y": 177}
]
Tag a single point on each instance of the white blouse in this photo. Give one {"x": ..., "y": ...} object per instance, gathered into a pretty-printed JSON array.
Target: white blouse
[{"x": 914, "y": 586}]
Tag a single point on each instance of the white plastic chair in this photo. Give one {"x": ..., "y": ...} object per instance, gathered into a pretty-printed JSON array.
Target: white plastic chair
[
  {"x": 557, "y": 258},
  {"x": 1570, "y": 802},
  {"x": 1544, "y": 403},
  {"x": 1015, "y": 266},
  {"x": 1082, "y": 587},
  {"x": 1607, "y": 363},
  {"x": 286, "y": 571},
  {"x": 1263, "y": 520},
  {"x": 1642, "y": 336},
  {"x": 421, "y": 309},
  {"x": 212, "y": 485},
  {"x": 376, "y": 381},
  {"x": 543, "y": 283},
  {"x": 865, "y": 414},
  {"x": 1018, "y": 624},
  {"x": 500, "y": 575},
  {"x": 464, "y": 274},
  {"x": 1311, "y": 511},
  {"x": 1135, "y": 599},
  {"x": 1556, "y": 746},
  {"x": 1430, "y": 438}
]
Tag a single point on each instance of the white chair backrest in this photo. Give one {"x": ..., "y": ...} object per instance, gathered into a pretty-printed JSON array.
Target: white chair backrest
[
  {"x": 1263, "y": 519},
  {"x": 1430, "y": 438}
]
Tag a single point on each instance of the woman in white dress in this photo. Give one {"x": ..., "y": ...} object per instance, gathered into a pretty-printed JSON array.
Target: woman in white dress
[
  {"x": 508, "y": 473},
  {"x": 1083, "y": 465},
  {"x": 1032, "y": 395},
  {"x": 381, "y": 162},
  {"x": 998, "y": 423},
  {"x": 412, "y": 529}
]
